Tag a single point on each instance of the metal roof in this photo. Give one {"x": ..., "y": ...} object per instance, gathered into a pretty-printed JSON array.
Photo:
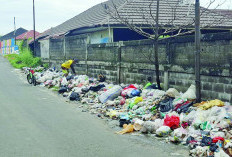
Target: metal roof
[
  {"x": 138, "y": 12},
  {"x": 11, "y": 35},
  {"x": 26, "y": 35}
]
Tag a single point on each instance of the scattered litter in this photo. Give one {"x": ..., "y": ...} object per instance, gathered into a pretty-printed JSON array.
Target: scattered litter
[{"x": 205, "y": 127}]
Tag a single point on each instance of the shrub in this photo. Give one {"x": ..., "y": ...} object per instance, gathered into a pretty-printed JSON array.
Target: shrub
[{"x": 23, "y": 59}]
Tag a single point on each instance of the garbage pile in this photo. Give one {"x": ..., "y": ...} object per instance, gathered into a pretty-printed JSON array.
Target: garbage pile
[{"x": 205, "y": 127}]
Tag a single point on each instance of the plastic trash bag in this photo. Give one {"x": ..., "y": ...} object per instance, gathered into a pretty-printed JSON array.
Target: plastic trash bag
[
  {"x": 205, "y": 126},
  {"x": 216, "y": 133},
  {"x": 184, "y": 107},
  {"x": 199, "y": 151},
  {"x": 221, "y": 153},
  {"x": 112, "y": 114},
  {"x": 122, "y": 101},
  {"x": 213, "y": 148},
  {"x": 166, "y": 105},
  {"x": 111, "y": 94},
  {"x": 63, "y": 89},
  {"x": 64, "y": 82},
  {"x": 135, "y": 102},
  {"x": 126, "y": 129},
  {"x": 211, "y": 103},
  {"x": 70, "y": 77},
  {"x": 178, "y": 135},
  {"x": 190, "y": 94},
  {"x": 97, "y": 88},
  {"x": 123, "y": 121},
  {"x": 74, "y": 96},
  {"x": 127, "y": 91},
  {"x": 172, "y": 92},
  {"x": 216, "y": 139},
  {"x": 173, "y": 122},
  {"x": 84, "y": 90},
  {"x": 190, "y": 139},
  {"x": 206, "y": 141},
  {"x": 163, "y": 131},
  {"x": 135, "y": 92},
  {"x": 179, "y": 101},
  {"x": 158, "y": 123},
  {"x": 138, "y": 124},
  {"x": 148, "y": 127}
]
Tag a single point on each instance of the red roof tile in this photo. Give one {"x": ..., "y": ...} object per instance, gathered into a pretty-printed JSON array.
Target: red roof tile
[{"x": 26, "y": 35}]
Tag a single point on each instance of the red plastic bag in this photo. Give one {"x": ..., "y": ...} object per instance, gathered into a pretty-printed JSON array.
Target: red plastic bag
[
  {"x": 216, "y": 139},
  {"x": 130, "y": 86},
  {"x": 122, "y": 101},
  {"x": 127, "y": 89},
  {"x": 173, "y": 122}
]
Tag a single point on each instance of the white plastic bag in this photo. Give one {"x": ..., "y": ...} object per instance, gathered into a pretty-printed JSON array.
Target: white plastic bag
[
  {"x": 163, "y": 131},
  {"x": 148, "y": 127},
  {"x": 172, "y": 92},
  {"x": 190, "y": 94},
  {"x": 64, "y": 82},
  {"x": 221, "y": 153},
  {"x": 110, "y": 94},
  {"x": 138, "y": 124}
]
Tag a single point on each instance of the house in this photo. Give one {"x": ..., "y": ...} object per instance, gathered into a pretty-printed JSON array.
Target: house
[
  {"x": 8, "y": 43},
  {"x": 224, "y": 12},
  {"x": 27, "y": 37},
  {"x": 98, "y": 26}
]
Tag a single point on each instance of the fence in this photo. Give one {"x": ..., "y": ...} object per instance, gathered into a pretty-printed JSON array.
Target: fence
[{"x": 132, "y": 61}]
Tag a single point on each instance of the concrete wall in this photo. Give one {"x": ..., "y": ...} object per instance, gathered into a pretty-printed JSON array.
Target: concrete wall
[
  {"x": 44, "y": 47},
  {"x": 133, "y": 61}
]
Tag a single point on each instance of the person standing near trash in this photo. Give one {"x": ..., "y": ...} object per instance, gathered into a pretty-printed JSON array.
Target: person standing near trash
[
  {"x": 150, "y": 84},
  {"x": 67, "y": 65}
]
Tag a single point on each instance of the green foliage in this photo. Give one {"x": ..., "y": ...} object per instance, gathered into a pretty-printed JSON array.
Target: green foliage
[
  {"x": 46, "y": 65},
  {"x": 23, "y": 59}
]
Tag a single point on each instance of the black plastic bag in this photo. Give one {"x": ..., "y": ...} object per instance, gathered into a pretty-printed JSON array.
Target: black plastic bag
[
  {"x": 69, "y": 77},
  {"x": 84, "y": 90},
  {"x": 213, "y": 147},
  {"x": 166, "y": 105},
  {"x": 62, "y": 90},
  {"x": 123, "y": 121},
  {"x": 97, "y": 88},
  {"x": 206, "y": 141},
  {"x": 189, "y": 139},
  {"x": 184, "y": 108},
  {"x": 74, "y": 96}
]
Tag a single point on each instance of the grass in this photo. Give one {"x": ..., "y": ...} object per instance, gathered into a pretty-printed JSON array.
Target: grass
[{"x": 23, "y": 59}]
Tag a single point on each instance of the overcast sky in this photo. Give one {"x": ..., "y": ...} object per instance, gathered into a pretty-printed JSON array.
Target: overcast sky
[{"x": 49, "y": 13}]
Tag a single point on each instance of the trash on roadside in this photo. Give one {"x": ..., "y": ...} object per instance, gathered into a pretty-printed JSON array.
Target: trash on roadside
[{"x": 205, "y": 127}]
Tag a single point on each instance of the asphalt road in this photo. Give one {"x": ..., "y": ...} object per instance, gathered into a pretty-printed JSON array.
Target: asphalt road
[{"x": 34, "y": 122}]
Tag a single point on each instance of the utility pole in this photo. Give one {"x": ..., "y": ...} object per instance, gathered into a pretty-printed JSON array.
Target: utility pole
[
  {"x": 197, "y": 51},
  {"x": 156, "y": 45},
  {"x": 34, "y": 26},
  {"x": 14, "y": 32}
]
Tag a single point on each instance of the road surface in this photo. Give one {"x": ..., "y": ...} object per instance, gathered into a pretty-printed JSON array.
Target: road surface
[{"x": 34, "y": 122}]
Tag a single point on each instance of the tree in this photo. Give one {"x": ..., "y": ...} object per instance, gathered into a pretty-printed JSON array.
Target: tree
[{"x": 150, "y": 14}]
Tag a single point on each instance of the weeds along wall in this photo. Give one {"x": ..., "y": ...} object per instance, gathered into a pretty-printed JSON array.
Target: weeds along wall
[{"x": 133, "y": 61}]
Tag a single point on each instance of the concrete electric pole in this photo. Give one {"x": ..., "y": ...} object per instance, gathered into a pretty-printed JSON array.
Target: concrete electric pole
[
  {"x": 197, "y": 51},
  {"x": 34, "y": 26}
]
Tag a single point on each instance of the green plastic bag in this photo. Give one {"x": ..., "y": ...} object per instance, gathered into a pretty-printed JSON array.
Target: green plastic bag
[
  {"x": 205, "y": 126},
  {"x": 147, "y": 85}
]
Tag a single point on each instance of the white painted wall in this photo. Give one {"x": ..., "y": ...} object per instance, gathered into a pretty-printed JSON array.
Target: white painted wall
[{"x": 97, "y": 37}]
